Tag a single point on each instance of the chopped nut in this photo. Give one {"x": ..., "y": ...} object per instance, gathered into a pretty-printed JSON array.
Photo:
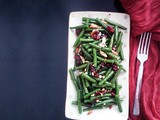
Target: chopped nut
[
  {"x": 82, "y": 58},
  {"x": 92, "y": 73},
  {"x": 89, "y": 112},
  {"x": 102, "y": 45},
  {"x": 77, "y": 50},
  {"x": 94, "y": 26},
  {"x": 100, "y": 76},
  {"x": 103, "y": 89},
  {"x": 104, "y": 22},
  {"x": 103, "y": 53},
  {"x": 93, "y": 95},
  {"x": 114, "y": 52},
  {"x": 104, "y": 40},
  {"x": 97, "y": 100}
]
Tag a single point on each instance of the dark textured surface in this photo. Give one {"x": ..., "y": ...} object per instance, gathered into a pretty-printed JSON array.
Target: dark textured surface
[{"x": 33, "y": 55}]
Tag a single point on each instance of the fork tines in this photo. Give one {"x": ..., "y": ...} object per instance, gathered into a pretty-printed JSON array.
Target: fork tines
[{"x": 144, "y": 40}]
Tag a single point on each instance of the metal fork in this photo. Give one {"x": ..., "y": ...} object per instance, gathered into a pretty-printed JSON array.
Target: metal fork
[{"x": 142, "y": 56}]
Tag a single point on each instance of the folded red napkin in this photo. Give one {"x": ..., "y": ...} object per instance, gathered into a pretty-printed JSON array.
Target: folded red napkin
[{"x": 145, "y": 16}]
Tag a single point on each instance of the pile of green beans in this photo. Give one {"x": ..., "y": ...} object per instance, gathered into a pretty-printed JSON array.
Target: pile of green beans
[{"x": 98, "y": 55}]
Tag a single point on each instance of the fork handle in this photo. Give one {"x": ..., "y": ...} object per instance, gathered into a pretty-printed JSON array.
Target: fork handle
[{"x": 136, "y": 107}]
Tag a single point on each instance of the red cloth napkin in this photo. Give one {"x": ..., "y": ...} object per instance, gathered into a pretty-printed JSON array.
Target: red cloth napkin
[{"x": 145, "y": 16}]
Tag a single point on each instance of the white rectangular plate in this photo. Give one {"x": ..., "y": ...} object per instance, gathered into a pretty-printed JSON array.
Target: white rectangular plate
[{"x": 71, "y": 111}]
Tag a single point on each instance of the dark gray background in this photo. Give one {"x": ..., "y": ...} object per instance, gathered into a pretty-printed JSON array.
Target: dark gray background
[{"x": 33, "y": 55}]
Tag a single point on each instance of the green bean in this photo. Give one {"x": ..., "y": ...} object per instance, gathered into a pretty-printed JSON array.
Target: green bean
[
  {"x": 86, "y": 53},
  {"x": 106, "y": 78},
  {"x": 116, "y": 33},
  {"x": 85, "y": 19},
  {"x": 99, "y": 29},
  {"x": 105, "y": 60},
  {"x": 76, "y": 103},
  {"x": 102, "y": 72},
  {"x": 119, "y": 47},
  {"x": 117, "y": 96},
  {"x": 120, "y": 34},
  {"x": 86, "y": 40},
  {"x": 117, "y": 63},
  {"x": 78, "y": 38},
  {"x": 121, "y": 54},
  {"x": 79, "y": 84},
  {"x": 90, "y": 93},
  {"x": 84, "y": 86},
  {"x": 108, "y": 71},
  {"x": 87, "y": 35},
  {"x": 112, "y": 55},
  {"x": 88, "y": 78},
  {"x": 73, "y": 79},
  {"x": 87, "y": 67},
  {"x": 99, "y": 97},
  {"x": 114, "y": 23},
  {"x": 79, "y": 101},
  {"x": 106, "y": 49},
  {"x": 88, "y": 101},
  {"x": 89, "y": 50},
  {"x": 86, "y": 46},
  {"x": 111, "y": 41},
  {"x": 110, "y": 104},
  {"x": 80, "y": 67},
  {"x": 104, "y": 98},
  {"x": 92, "y": 108},
  {"x": 117, "y": 87},
  {"x": 95, "y": 46},
  {"x": 104, "y": 102},
  {"x": 116, "y": 75},
  {"x": 95, "y": 57},
  {"x": 118, "y": 103},
  {"x": 101, "y": 23},
  {"x": 79, "y": 27},
  {"x": 87, "y": 83},
  {"x": 106, "y": 84}
]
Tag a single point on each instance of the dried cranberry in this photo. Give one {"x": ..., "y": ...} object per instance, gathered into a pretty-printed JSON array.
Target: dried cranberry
[
  {"x": 89, "y": 104},
  {"x": 104, "y": 92},
  {"x": 77, "y": 59},
  {"x": 103, "y": 64},
  {"x": 110, "y": 106},
  {"x": 92, "y": 69},
  {"x": 98, "y": 93},
  {"x": 110, "y": 29},
  {"x": 95, "y": 35},
  {"x": 114, "y": 67},
  {"x": 113, "y": 94},
  {"x": 96, "y": 75},
  {"x": 114, "y": 48},
  {"x": 108, "y": 65},
  {"x": 103, "y": 35},
  {"x": 78, "y": 31}
]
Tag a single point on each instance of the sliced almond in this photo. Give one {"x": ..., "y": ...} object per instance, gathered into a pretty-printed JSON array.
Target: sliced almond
[
  {"x": 94, "y": 26},
  {"x": 77, "y": 50},
  {"x": 114, "y": 52},
  {"x": 82, "y": 58},
  {"x": 89, "y": 112},
  {"x": 102, "y": 45},
  {"x": 104, "y": 22},
  {"x": 103, "y": 53}
]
